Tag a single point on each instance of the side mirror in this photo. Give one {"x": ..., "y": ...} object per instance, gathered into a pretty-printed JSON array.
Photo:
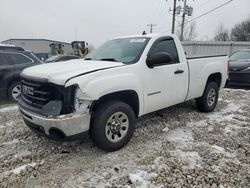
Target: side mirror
[{"x": 157, "y": 59}]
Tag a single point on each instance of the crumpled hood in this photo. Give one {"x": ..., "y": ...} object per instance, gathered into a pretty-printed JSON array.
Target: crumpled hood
[{"x": 61, "y": 72}]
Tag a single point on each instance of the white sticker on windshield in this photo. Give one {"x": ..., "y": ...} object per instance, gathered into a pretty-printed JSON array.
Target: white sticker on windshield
[{"x": 138, "y": 40}]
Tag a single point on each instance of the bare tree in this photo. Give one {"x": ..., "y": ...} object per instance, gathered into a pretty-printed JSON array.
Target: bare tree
[
  {"x": 189, "y": 32},
  {"x": 221, "y": 33},
  {"x": 241, "y": 31}
]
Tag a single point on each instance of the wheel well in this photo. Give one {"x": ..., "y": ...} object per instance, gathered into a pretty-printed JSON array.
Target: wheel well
[
  {"x": 216, "y": 77},
  {"x": 130, "y": 97}
]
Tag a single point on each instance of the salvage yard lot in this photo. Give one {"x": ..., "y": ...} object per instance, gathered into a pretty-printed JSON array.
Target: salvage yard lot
[{"x": 177, "y": 147}]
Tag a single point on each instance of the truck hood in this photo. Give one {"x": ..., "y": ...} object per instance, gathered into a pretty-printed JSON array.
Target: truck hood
[{"x": 60, "y": 72}]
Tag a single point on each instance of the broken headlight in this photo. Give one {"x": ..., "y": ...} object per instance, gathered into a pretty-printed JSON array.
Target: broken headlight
[{"x": 80, "y": 104}]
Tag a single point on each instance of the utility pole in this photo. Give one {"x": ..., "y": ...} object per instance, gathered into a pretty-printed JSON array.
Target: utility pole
[
  {"x": 151, "y": 27},
  {"x": 173, "y": 22},
  {"x": 183, "y": 19}
]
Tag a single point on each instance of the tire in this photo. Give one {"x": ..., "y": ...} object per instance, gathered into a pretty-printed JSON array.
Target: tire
[
  {"x": 209, "y": 99},
  {"x": 14, "y": 91},
  {"x": 107, "y": 130}
]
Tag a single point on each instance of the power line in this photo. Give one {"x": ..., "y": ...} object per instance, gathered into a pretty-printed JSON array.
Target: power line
[
  {"x": 209, "y": 11},
  {"x": 206, "y": 13}
]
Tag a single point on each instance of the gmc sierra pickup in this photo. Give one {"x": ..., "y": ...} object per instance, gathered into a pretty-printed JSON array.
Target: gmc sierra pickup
[{"x": 124, "y": 79}]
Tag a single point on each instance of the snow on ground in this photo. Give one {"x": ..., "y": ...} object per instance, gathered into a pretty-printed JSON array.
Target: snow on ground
[
  {"x": 141, "y": 179},
  {"x": 22, "y": 168},
  {"x": 8, "y": 109},
  {"x": 180, "y": 135},
  {"x": 9, "y": 124},
  {"x": 177, "y": 147},
  {"x": 218, "y": 148},
  {"x": 15, "y": 141}
]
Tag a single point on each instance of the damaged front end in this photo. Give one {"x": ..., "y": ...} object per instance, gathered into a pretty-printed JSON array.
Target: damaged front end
[{"x": 54, "y": 111}]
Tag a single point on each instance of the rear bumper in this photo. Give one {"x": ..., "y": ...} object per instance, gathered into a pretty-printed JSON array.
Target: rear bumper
[
  {"x": 239, "y": 79},
  {"x": 64, "y": 127},
  {"x": 238, "y": 84}
]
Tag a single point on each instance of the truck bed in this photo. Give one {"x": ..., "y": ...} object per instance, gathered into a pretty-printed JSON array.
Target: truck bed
[
  {"x": 207, "y": 56},
  {"x": 199, "y": 70}
]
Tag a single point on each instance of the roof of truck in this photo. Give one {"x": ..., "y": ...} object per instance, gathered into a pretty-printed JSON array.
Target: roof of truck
[
  {"x": 150, "y": 35},
  {"x": 7, "y": 45}
]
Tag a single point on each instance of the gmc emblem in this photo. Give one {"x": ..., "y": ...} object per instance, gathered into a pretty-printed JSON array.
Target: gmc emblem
[{"x": 27, "y": 90}]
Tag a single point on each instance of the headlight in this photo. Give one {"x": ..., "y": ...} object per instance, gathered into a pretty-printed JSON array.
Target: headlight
[{"x": 80, "y": 104}]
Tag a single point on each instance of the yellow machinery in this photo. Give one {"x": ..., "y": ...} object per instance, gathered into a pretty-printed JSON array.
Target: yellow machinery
[
  {"x": 56, "y": 48},
  {"x": 80, "y": 48}
]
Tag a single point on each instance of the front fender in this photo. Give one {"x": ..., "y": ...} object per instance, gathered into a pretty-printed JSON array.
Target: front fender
[{"x": 96, "y": 86}]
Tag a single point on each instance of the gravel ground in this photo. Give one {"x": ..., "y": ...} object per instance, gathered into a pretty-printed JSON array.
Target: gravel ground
[{"x": 176, "y": 147}]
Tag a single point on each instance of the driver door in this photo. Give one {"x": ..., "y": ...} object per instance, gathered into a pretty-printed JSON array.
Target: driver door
[{"x": 167, "y": 84}]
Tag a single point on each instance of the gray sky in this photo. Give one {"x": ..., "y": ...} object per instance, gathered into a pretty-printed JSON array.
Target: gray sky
[{"x": 98, "y": 20}]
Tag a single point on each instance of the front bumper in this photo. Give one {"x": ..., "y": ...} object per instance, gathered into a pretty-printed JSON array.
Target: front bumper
[{"x": 64, "y": 127}]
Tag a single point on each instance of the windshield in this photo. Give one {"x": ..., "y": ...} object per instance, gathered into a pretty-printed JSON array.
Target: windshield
[
  {"x": 51, "y": 59},
  {"x": 126, "y": 50},
  {"x": 240, "y": 55}
]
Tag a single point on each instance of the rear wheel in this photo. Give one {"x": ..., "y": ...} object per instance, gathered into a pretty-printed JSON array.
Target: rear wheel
[
  {"x": 209, "y": 99},
  {"x": 113, "y": 125},
  {"x": 14, "y": 91}
]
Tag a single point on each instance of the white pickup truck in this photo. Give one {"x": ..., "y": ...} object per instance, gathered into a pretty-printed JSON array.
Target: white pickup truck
[{"x": 122, "y": 80}]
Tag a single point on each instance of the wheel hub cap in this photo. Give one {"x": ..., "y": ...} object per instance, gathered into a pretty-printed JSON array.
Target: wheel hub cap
[
  {"x": 117, "y": 127},
  {"x": 16, "y": 91},
  {"x": 211, "y": 97}
]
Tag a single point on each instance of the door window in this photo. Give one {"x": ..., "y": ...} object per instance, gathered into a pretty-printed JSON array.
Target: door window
[
  {"x": 19, "y": 59},
  {"x": 3, "y": 60},
  {"x": 167, "y": 46}
]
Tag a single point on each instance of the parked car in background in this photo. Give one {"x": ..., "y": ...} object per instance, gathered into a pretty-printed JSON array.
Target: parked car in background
[
  {"x": 59, "y": 58},
  {"x": 239, "y": 69},
  {"x": 12, "y": 63},
  {"x": 43, "y": 56},
  {"x": 10, "y": 47}
]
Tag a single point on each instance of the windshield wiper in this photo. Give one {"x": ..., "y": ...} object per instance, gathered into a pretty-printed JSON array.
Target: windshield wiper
[
  {"x": 108, "y": 59},
  {"x": 104, "y": 59}
]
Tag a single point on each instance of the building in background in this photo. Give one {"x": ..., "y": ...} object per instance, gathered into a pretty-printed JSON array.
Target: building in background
[
  {"x": 42, "y": 48},
  {"x": 196, "y": 48}
]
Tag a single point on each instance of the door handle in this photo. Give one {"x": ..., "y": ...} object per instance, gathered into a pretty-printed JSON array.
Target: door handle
[{"x": 179, "y": 72}]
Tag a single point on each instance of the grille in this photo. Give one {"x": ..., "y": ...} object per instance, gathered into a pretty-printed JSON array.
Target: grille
[{"x": 36, "y": 93}]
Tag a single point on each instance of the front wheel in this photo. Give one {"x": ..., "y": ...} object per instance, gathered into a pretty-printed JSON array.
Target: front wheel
[
  {"x": 113, "y": 125},
  {"x": 208, "y": 101},
  {"x": 14, "y": 91}
]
